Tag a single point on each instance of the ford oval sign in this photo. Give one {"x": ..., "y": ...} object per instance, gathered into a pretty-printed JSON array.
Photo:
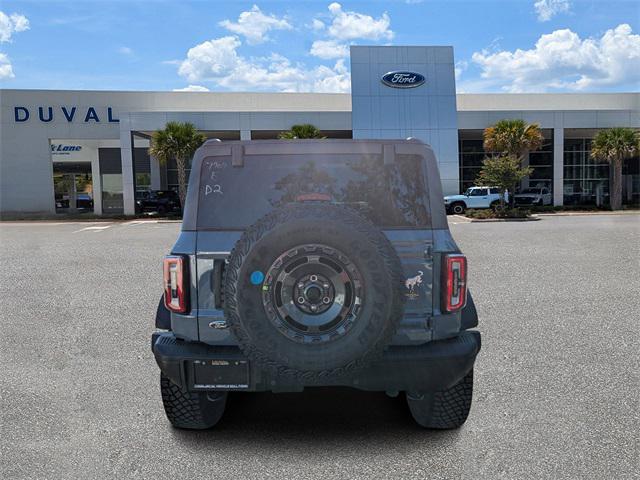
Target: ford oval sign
[{"x": 403, "y": 79}]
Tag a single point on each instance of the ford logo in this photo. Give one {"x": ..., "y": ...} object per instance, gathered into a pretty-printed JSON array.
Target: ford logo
[{"x": 402, "y": 79}]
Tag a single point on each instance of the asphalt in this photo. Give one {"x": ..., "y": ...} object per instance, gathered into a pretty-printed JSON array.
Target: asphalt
[{"x": 556, "y": 384}]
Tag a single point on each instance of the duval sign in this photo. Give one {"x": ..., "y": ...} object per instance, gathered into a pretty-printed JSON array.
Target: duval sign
[
  {"x": 68, "y": 113},
  {"x": 403, "y": 79}
]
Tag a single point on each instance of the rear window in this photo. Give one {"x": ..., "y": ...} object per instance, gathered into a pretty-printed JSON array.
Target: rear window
[{"x": 391, "y": 196}]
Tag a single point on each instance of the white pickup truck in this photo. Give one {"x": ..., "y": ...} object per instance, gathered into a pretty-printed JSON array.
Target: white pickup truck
[
  {"x": 474, "y": 197},
  {"x": 533, "y": 196}
]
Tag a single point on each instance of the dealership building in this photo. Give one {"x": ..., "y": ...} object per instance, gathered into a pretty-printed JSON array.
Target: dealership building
[{"x": 66, "y": 151}]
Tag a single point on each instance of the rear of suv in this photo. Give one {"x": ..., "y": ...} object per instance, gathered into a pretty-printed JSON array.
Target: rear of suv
[{"x": 315, "y": 263}]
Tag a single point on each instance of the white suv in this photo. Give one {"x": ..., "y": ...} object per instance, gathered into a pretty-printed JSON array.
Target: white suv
[{"x": 474, "y": 197}]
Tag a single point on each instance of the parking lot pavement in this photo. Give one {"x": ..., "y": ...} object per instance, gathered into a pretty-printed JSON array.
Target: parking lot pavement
[{"x": 556, "y": 393}]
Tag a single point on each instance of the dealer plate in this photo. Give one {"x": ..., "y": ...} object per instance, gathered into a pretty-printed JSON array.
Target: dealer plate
[{"x": 221, "y": 374}]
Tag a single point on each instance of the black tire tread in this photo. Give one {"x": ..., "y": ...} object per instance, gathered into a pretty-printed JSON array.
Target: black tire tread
[
  {"x": 448, "y": 408},
  {"x": 262, "y": 227},
  {"x": 186, "y": 409}
]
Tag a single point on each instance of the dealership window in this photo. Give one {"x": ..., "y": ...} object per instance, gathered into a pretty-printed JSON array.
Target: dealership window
[
  {"x": 142, "y": 169},
  {"x": 172, "y": 174},
  {"x": 472, "y": 154},
  {"x": 111, "y": 179},
  {"x": 542, "y": 163},
  {"x": 73, "y": 187},
  {"x": 586, "y": 180},
  {"x": 631, "y": 182}
]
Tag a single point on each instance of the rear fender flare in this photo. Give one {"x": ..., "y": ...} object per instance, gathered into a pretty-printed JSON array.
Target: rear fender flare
[
  {"x": 469, "y": 315},
  {"x": 163, "y": 316}
]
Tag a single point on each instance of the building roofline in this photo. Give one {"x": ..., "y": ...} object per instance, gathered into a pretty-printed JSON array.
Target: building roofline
[
  {"x": 547, "y": 101},
  {"x": 341, "y": 102}
]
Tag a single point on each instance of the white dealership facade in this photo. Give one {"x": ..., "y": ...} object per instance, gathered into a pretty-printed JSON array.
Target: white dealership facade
[{"x": 94, "y": 143}]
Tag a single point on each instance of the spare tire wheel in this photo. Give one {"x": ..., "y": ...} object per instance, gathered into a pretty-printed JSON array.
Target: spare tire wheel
[{"x": 313, "y": 290}]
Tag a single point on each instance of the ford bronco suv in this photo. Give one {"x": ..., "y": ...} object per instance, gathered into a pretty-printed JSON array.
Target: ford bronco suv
[
  {"x": 315, "y": 263},
  {"x": 474, "y": 197}
]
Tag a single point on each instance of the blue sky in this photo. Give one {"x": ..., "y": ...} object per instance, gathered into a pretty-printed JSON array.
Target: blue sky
[{"x": 499, "y": 46}]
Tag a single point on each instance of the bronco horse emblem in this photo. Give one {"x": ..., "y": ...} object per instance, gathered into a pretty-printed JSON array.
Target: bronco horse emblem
[{"x": 412, "y": 283}]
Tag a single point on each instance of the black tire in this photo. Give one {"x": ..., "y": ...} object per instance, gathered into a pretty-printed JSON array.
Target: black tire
[
  {"x": 495, "y": 206},
  {"x": 357, "y": 335},
  {"x": 458, "y": 208},
  {"x": 191, "y": 410},
  {"x": 443, "y": 410}
]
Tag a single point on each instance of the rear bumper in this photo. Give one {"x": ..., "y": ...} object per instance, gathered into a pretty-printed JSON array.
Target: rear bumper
[{"x": 433, "y": 366}]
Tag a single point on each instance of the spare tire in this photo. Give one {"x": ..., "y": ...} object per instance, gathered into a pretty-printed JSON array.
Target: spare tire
[{"x": 313, "y": 290}]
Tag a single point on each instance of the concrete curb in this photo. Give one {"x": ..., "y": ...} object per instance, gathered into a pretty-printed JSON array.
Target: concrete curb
[
  {"x": 488, "y": 220},
  {"x": 88, "y": 220},
  {"x": 571, "y": 214}
]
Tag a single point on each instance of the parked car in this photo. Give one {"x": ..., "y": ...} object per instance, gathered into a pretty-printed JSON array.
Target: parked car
[
  {"x": 290, "y": 273},
  {"x": 474, "y": 197},
  {"x": 161, "y": 202},
  {"x": 84, "y": 201},
  {"x": 533, "y": 196},
  {"x": 62, "y": 201}
]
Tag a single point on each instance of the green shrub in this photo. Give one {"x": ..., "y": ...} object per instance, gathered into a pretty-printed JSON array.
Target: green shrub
[
  {"x": 490, "y": 213},
  {"x": 486, "y": 213}
]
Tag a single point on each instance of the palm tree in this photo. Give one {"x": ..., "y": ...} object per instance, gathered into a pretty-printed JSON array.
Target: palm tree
[
  {"x": 614, "y": 146},
  {"x": 177, "y": 141},
  {"x": 304, "y": 130},
  {"x": 513, "y": 138}
]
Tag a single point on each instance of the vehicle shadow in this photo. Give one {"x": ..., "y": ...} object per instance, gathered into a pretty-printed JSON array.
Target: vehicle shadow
[{"x": 329, "y": 418}]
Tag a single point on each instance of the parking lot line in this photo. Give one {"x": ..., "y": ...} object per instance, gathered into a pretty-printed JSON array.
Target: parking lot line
[
  {"x": 134, "y": 223},
  {"x": 457, "y": 219},
  {"x": 94, "y": 228}
]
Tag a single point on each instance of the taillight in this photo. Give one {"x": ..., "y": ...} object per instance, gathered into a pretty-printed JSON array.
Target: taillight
[
  {"x": 454, "y": 282},
  {"x": 175, "y": 283}
]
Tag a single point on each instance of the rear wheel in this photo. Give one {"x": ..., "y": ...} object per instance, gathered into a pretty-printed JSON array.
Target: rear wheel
[
  {"x": 443, "y": 410},
  {"x": 458, "y": 208},
  {"x": 191, "y": 410},
  {"x": 496, "y": 207}
]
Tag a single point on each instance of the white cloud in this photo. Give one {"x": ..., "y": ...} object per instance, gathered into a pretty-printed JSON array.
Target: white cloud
[
  {"x": 10, "y": 24},
  {"x": 561, "y": 60},
  {"x": 6, "y": 70},
  {"x": 125, "y": 51},
  {"x": 460, "y": 67},
  {"x": 192, "y": 88},
  {"x": 254, "y": 25},
  {"x": 347, "y": 25},
  {"x": 210, "y": 59},
  {"x": 218, "y": 61},
  {"x": 547, "y": 9},
  {"x": 327, "y": 49}
]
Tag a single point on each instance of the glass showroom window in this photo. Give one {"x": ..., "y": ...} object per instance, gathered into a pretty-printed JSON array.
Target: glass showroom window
[
  {"x": 142, "y": 169},
  {"x": 143, "y": 182},
  {"x": 586, "y": 181},
  {"x": 542, "y": 163},
  {"x": 172, "y": 174},
  {"x": 471, "y": 156}
]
